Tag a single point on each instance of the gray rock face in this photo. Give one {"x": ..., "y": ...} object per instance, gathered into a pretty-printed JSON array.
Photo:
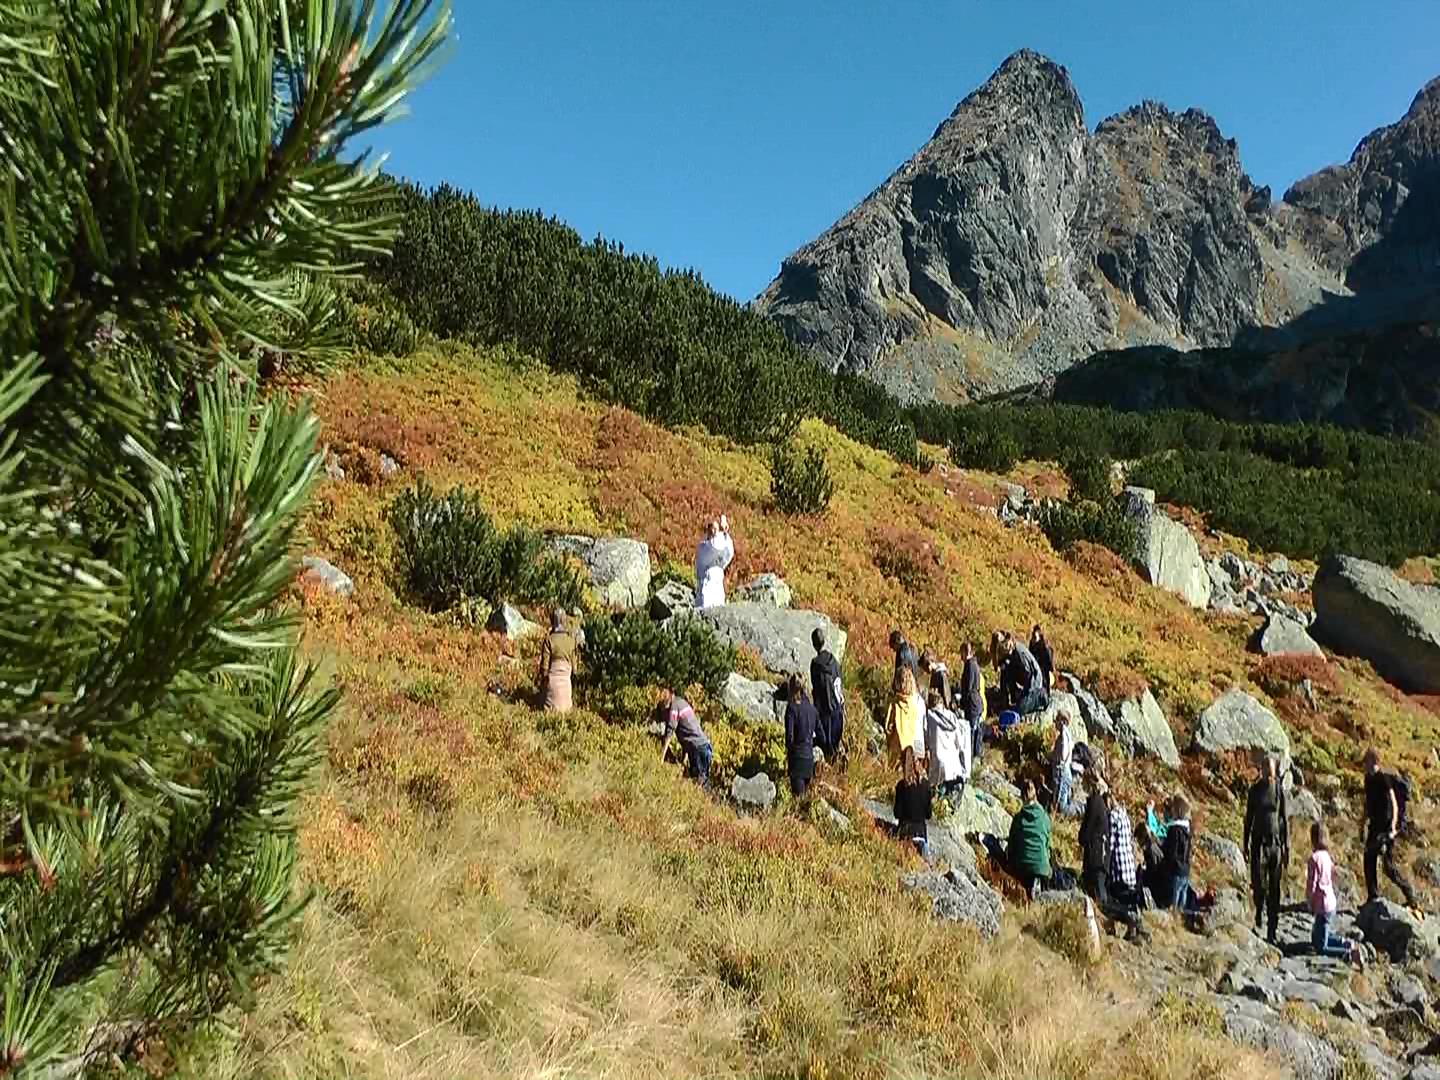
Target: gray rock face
[
  {"x": 506, "y": 619},
  {"x": 1395, "y": 931},
  {"x": 1167, "y": 554},
  {"x": 781, "y": 636},
  {"x": 1143, "y": 730},
  {"x": 752, "y": 699},
  {"x": 1365, "y": 610},
  {"x": 1308, "y": 1056},
  {"x": 1284, "y": 636},
  {"x": 328, "y": 575},
  {"x": 1093, "y": 712},
  {"x": 978, "y": 812},
  {"x": 769, "y": 590},
  {"x": 671, "y": 599},
  {"x": 619, "y": 568},
  {"x": 960, "y": 896},
  {"x": 1236, "y": 721},
  {"x": 755, "y": 793},
  {"x": 1224, "y": 851}
]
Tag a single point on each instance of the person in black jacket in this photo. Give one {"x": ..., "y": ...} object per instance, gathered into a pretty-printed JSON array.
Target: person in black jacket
[
  {"x": 1385, "y": 796},
  {"x": 905, "y": 655},
  {"x": 1173, "y": 874},
  {"x": 829, "y": 697},
  {"x": 1095, "y": 850},
  {"x": 1044, "y": 656},
  {"x": 937, "y": 676},
  {"x": 972, "y": 700},
  {"x": 914, "y": 801},
  {"x": 1267, "y": 843},
  {"x": 800, "y": 722}
]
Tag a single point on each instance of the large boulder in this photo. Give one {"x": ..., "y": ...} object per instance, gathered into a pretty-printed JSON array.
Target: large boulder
[
  {"x": 1143, "y": 730},
  {"x": 754, "y": 793},
  {"x": 1236, "y": 721},
  {"x": 1282, "y": 635},
  {"x": 1224, "y": 851},
  {"x": 767, "y": 589},
  {"x": 1093, "y": 712},
  {"x": 1069, "y": 704},
  {"x": 1394, "y": 930},
  {"x": 978, "y": 812},
  {"x": 1309, "y": 1057},
  {"x": 961, "y": 895},
  {"x": 505, "y": 619},
  {"x": 1366, "y": 610},
  {"x": 671, "y": 599},
  {"x": 618, "y": 567},
  {"x": 1166, "y": 553},
  {"x": 780, "y": 636},
  {"x": 327, "y": 575},
  {"x": 753, "y": 699}
]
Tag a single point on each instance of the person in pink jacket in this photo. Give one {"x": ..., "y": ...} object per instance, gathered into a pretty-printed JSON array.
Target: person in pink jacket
[{"x": 1320, "y": 892}]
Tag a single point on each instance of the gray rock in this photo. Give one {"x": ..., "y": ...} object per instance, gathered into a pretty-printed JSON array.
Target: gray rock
[
  {"x": 1302, "y": 804},
  {"x": 881, "y": 811},
  {"x": 978, "y": 812},
  {"x": 949, "y": 846},
  {"x": 1366, "y": 610},
  {"x": 1233, "y": 566},
  {"x": 1283, "y": 635},
  {"x": 1395, "y": 931},
  {"x": 1167, "y": 554},
  {"x": 780, "y": 636},
  {"x": 1259, "y": 1027},
  {"x": 328, "y": 575},
  {"x": 1093, "y": 712},
  {"x": 506, "y": 619},
  {"x": 1424, "y": 1072},
  {"x": 960, "y": 896},
  {"x": 1224, "y": 851},
  {"x": 752, "y": 698},
  {"x": 671, "y": 599},
  {"x": 1236, "y": 721},
  {"x": 1144, "y": 731},
  {"x": 755, "y": 793},
  {"x": 987, "y": 778},
  {"x": 618, "y": 567},
  {"x": 836, "y": 820},
  {"x": 767, "y": 589},
  {"x": 1310, "y": 993},
  {"x": 1408, "y": 990},
  {"x": 1429, "y": 870},
  {"x": 1278, "y": 565}
]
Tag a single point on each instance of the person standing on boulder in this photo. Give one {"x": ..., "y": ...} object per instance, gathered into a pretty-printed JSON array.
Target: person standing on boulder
[
  {"x": 1385, "y": 797},
  {"x": 680, "y": 722},
  {"x": 801, "y": 720},
  {"x": 829, "y": 694},
  {"x": 1044, "y": 656},
  {"x": 972, "y": 700},
  {"x": 712, "y": 559},
  {"x": 1267, "y": 843},
  {"x": 557, "y": 664}
]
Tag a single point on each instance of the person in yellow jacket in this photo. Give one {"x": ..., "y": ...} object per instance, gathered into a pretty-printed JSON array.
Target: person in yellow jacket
[{"x": 905, "y": 720}]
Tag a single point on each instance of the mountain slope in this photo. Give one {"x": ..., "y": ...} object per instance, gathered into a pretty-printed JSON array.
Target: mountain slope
[{"x": 1015, "y": 242}]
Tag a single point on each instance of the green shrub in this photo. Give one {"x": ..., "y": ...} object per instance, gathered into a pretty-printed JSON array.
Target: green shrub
[
  {"x": 800, "y": 484},
  {"x": 1105, "y": 523},
  {"x": 1089, "y": 475},
  {"x": 633, "y": 651},
  {"x": 984, "y": 449},
  {"x": 450, "y": 552}
]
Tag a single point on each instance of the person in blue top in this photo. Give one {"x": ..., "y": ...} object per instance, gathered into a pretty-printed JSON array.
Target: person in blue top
[{"x": 801, "y": 720}]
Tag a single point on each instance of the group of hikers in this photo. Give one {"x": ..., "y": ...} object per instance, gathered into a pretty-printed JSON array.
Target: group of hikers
[{"x": 936, "y": 738}]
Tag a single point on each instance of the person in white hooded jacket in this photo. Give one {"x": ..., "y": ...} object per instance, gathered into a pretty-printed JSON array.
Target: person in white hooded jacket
[
  {"x": 947, "y": 747},
  {"x": 712, "y": 558}
]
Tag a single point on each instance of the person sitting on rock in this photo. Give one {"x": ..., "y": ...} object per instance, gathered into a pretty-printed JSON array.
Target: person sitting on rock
[
  {"x": 1320, "y": 892},
  {"x": 1044, "y": 656},
  {"x": 1022, "y": 684},
  {"x": 712, "y": 559},
  {"x": 905, "y": 655},
  {"x": 829, "y": 697},
  {"x": 1384, "y": 814},
  {"x": 905, "y": 720},
  {"x": 1267, "y": 843},
  {"x": 1095, "y": 865},
  {"x": 801, "y": 721},
  {"x": 947, "y": 748},
  {"x": 1173, "y": 873},
  {"x": 557, "y": 665},
  {"x": 914, "y": 802},
  {"x": 936, "y": 676},
  {"x": 677, "y": 716},
  {"x": 972, "y": 700},
  {"x": 1026, "y": 855}
]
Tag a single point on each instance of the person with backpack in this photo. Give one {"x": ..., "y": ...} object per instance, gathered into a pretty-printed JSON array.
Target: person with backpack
[
  {"x": 1044, "y": 656},
  {"x": 801, "y": 720},
  {"x": 1387, "y": 798},
  {"x": 1172, "y": 877},
  {"x": 972, "y": 700},
  {"x": 677, "y": 716},
  {"x": 947, "y": 748},
  {"x": 937, "y": 676},
  {"x": 914, "y": 802},
  {"x": 1320, "y": 893},
  {"x": 829, "y": 695},
  {"x": 1267, "y": 843}
]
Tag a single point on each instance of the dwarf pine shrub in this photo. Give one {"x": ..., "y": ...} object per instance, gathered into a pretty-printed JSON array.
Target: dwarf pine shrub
[
  {"x": 449, "y": 551},
  {"x": 800, "y": 483},
  {"x": 1089, "y": 475},
  {"x": 633, "y": 651},
  {"x": 1104, "y": 523}
]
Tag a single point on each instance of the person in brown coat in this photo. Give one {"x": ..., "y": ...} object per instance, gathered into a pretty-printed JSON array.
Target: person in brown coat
[{"x": 557, "y": 665}]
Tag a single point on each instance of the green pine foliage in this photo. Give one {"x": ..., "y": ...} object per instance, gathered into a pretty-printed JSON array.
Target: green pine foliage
[
  {"x": 800, "y": 483},
  {"x": 170, "y": 203},
  {"x": 449, "y": 551},
  {"x": 1104, "y": 523},
  {"x": 1089, "y": 475},
  {"x": 631, "y": 651}
]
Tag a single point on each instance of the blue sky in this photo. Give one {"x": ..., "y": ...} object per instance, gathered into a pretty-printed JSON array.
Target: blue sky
[{"x": 723, "y": 135}]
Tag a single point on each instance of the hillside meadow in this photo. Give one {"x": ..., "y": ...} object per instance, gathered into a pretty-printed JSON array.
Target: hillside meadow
[{"x": 501, "y": 893}]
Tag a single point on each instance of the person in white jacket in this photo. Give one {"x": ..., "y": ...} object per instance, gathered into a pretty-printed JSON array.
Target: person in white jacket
[
  {"x": 712, "y": 558},
  {"x": 947, "y": 746}
]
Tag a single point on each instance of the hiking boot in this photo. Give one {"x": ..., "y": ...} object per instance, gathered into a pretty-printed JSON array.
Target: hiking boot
[{"x": 1147, "y": 902}]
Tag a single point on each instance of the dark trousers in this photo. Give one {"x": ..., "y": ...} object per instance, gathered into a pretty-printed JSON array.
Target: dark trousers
[
  {"x": 699, "y": 757},
  {"x": 1096, "y": 885},
  {"x": 1033, "y": 700},
  {"x": 801, "y": 773},
  {"x": 829, "y": 732},
  {"x": 977, "y": 739},
  {"x": 1380, "y": 847},
  {"x": 1266, "y": 866}
]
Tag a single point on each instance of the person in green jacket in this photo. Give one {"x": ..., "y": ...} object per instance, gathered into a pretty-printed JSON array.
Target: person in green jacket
[{"x": 1026, "y": 856}]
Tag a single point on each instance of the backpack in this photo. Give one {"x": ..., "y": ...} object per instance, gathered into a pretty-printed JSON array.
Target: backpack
[{"x": 1401, "y": 786}]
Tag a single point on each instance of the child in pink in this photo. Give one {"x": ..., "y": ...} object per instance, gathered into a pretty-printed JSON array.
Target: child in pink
[{"x": 1320, "y": 892}]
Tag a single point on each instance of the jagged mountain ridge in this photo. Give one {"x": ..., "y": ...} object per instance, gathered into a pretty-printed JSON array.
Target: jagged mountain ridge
[{"x": 1017, "y": 242}]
